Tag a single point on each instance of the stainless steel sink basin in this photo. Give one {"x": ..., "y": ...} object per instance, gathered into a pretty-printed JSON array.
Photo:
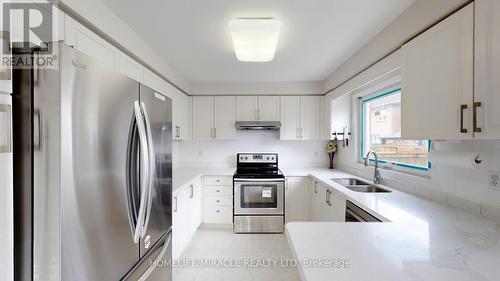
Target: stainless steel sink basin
[{"x": 360, "y": 186}]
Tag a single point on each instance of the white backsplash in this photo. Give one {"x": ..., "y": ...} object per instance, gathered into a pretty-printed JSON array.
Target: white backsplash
[
  {"x": 465, "y": 188},
  {"x": 223, "y": 153}
]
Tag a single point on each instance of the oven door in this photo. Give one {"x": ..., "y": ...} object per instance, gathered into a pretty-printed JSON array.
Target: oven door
[{"x": 254, "y": 196}]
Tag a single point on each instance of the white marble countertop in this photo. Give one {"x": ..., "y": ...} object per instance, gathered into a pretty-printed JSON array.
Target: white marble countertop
[{"x": 423, "y": 241}]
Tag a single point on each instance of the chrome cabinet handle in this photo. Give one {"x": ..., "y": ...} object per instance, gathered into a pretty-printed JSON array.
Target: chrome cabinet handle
[
  {"x": 217, "y": 190},
  {"x": 301, "y": 133},
  {"x": 218, "y": 211},
  {"x": 217, "y": 201},
  {"x": 328, "y": 197},
  {"x": 297, "y": 133},
  {"x": 474, "y": 117},
  {"x": 462, "y": 108},
  {"x": 315, "y": 187},
  {"x": 177, "y": 131},
  {"x": 151, "y": 166},
  {"x": 144, "y": 148},
  {"x": 192, "y": 191},
  {"x": 215, "y": 133},
  {"x": 175, "y": 200}
]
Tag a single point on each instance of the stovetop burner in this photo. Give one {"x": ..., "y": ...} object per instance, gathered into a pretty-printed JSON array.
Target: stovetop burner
[{"x": 257, "y": 166}]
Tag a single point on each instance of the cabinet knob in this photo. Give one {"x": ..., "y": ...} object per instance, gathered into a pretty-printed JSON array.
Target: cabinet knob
[
  {"x": 217, "y": 190},
  {"x": 218, "y": 211},
  {"x": 217, "y": 201}
]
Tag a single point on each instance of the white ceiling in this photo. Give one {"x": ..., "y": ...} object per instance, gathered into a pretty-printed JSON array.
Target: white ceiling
[{"x": 317, "y": 36}]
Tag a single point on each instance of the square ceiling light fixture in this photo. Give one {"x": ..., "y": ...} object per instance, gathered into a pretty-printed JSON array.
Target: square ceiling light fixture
[{"x": 255, "y": 39}]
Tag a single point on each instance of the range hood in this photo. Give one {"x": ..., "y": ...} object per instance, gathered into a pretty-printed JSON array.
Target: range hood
[{"x": 258, "y": 125}]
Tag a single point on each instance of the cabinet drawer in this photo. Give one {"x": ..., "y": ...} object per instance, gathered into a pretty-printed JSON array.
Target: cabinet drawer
[
  {"x": 218, "y": 201},
  {"x": 218, "y": 214},
  {"x": 218, "y": 180},
  {"x": 218, "y": 190}
]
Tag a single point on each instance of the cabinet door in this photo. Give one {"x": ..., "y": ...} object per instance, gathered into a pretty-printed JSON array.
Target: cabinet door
[
  {"x": 341, "y": 114},
  {"x": 290, "y": 118},
  {"x": 181, "y": 115},
  {"x": 180, "y": 223},
  {"x": 438, "y": 80},
  {"x": 296, "y": 194},
  {"x": 487, "y": 68},
  {"x": 325, "y": 126},
  {"x": 131, "y": 68},
  {"x": 87, "y": 42},
  {"x": 225, "y": 117},
  {"x": 269, "y": 108},
  {"x": 246, "y": 109},
  {"x": 203, "y": 117},
  {"x": 309, "y": 117}
]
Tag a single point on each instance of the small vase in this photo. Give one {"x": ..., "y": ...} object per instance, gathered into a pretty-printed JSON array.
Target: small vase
[{"x": 332, "y": 155}]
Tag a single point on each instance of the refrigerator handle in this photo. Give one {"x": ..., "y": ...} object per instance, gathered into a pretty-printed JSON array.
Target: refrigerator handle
[
  {"x": 144, "y": 168},
  {"x": 151, "y": 168},
  {"x": 154, "y": 264}
]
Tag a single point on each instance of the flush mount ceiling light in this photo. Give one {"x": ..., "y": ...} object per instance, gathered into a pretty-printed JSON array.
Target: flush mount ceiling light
[{"x": 255, "y": 39}]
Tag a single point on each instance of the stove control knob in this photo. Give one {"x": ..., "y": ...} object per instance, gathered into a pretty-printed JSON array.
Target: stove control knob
[
  {"x": 267, "y": 158},
  {"x": 246, "y": 158}
]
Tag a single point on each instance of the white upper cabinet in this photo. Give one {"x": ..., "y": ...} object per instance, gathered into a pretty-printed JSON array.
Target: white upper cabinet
[
  {"x": 309, "y": 117},
  {"x": 325, "y": 125},
  {"x": 341, "y": 115},
  {"x": 246, "y": 108},
  {"x": 225, "y": 117},
  {"x": 437, "y": 81},
  {"x": 269, "y": 108},
  {"x": 84, "y": 40},
  {"x": 203, "y": 117},
  {"x": 290, "y": 118},
  {"x": 214, "y": 117},
  {"x": 487, "y": 69},
  {"x": 300, "y": 118},
  {"x": 258, "y": 108}
]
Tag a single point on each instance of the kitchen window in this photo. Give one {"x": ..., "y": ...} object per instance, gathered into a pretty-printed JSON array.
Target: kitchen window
[{"x": 381, "y": 132}]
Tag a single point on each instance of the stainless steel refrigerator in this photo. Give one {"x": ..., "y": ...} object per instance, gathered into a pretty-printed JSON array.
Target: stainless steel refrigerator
[{"x": 92, "y": 173}]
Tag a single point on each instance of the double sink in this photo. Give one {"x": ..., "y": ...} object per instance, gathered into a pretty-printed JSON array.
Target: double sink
[{"x": 360, "y": 186}]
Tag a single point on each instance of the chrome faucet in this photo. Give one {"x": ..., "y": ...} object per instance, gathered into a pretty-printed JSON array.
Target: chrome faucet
[{"x": 377, "y": 179}]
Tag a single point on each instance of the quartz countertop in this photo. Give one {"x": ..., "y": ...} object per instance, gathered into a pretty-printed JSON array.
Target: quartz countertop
[{"x": 419, "y": 240}]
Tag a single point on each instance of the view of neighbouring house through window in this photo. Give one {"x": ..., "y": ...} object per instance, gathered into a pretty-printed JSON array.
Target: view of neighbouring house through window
[{"x": 381, "y": 132}]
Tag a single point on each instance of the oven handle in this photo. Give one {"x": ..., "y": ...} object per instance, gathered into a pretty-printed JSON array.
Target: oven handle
[{"x": 259, "y": 180}]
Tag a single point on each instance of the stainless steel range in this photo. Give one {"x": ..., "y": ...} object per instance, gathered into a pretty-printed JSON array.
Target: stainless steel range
[{"x": 259, "y": 194}]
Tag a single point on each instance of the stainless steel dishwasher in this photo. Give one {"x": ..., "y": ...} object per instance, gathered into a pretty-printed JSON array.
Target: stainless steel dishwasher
[{"x": 354, "y": 213}]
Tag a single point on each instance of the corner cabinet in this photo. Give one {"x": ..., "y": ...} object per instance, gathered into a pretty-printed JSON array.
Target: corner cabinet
[
  {"x": 300, "y": 118},
  {"x": 437, "y": 99},
  {"x": 214, "y": 117},
  {"x": 487, "y": 68},
  {"x": 258, "y": 108}
]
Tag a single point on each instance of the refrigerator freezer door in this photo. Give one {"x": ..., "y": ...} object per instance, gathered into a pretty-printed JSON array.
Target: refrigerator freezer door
[
  {"x": 96, "y": 123},
  {"x": 159, "y": 111}
]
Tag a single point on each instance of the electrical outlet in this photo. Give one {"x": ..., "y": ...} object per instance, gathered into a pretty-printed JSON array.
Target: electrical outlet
[{"x": 494, "y": 180}]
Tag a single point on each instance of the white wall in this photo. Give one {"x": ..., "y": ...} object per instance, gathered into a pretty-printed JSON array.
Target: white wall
[{"x": 223, "y": 153}]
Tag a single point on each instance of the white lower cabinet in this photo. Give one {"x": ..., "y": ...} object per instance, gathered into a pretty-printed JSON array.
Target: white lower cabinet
[
  {"x": 217, "y": 200},
  {"x": 187, "y": 213},
  {"x": 296, "y": 199},
  {"x": 326, "y": 204}
]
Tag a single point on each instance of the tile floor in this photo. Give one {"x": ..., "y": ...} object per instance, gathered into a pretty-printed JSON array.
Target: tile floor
[{"x": 224, "y": 246}]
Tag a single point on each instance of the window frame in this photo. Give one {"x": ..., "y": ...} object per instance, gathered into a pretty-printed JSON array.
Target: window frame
[{"x": 372, "y": 97}]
